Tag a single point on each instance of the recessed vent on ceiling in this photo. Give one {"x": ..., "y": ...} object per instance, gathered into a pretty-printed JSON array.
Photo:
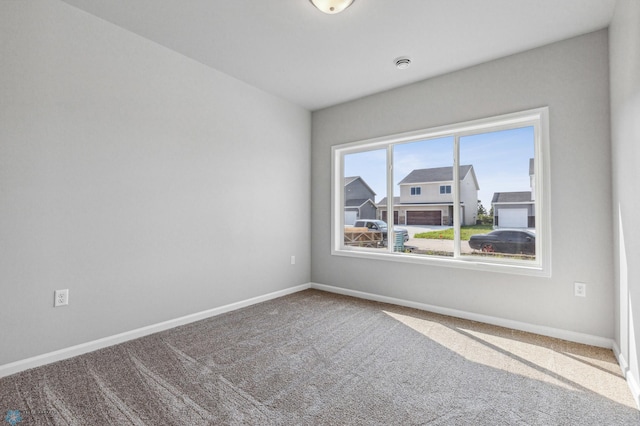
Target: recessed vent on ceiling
[{"x": 403, "y": 63}]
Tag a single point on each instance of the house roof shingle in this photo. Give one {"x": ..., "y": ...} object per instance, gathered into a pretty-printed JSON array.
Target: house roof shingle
[
  {"x": 437, "y": 174},
  {"x": 349, "y": 179},
  {"x": 511, "y": 197},
  {"x": 383, "y": 202}
]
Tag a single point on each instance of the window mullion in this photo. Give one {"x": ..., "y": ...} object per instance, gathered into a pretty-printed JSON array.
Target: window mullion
[
  {"x": 338, "y": 229},
  {"x": 456, "y": 196},
  {"x": 390, "y": 200}
]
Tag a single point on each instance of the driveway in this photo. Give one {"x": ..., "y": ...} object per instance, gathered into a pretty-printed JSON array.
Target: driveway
[{"x": 428, "y": 244}]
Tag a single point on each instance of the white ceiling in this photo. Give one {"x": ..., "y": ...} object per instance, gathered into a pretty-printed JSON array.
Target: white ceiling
[{"x": 292, "y": 50}]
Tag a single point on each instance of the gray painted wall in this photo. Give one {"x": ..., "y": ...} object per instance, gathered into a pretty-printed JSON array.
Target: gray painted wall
[
  {"x": 571, "y": 77},
  {"x": 131, "y": 175},
  {"x": 625, "y": 127}
]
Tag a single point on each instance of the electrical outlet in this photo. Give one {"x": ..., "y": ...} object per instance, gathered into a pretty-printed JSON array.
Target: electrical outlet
[
  {"x": 61, "y": 298},
  {"x": 580, "y": 289}
]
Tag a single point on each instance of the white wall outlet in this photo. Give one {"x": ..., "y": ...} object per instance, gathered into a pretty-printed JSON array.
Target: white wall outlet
[
  {"x": 580, "y": 289},
  {"x": 61, "y": 298},
  {"x": 293, "y": 260}
]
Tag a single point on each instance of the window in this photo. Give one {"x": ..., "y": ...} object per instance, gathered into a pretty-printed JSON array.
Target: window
[
  {"x": 445, "y": 189},
  {"x": 495, "y": 216}
]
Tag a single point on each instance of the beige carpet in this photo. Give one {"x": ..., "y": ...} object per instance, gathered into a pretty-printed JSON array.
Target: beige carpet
[{"x": 315, "y": 358}]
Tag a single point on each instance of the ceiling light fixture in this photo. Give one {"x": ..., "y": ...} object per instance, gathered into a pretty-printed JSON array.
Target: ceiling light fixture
[
  {"x": 331, "y": 6},
  {"x": 402, "y": 63}
]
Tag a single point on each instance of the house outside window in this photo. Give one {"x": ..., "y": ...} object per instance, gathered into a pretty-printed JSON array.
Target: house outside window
[
  {"x": 358, "y": 200},
  {"x": 460, "y": 166}
]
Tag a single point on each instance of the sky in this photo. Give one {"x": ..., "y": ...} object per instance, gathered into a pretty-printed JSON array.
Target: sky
[{"x": 500, "y": 160}]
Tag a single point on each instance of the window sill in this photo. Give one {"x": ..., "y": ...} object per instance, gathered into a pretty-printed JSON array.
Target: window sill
[{"x": 466, "y": 262}]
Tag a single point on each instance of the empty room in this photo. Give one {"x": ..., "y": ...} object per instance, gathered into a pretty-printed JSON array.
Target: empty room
[{"x": 313, "y": 212}]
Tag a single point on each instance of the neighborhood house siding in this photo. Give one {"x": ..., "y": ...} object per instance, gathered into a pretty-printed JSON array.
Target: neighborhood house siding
[
  {"x": 428, "y": 193},
  {"x": 368, "y": 211},
  {"x": 359, "y": 200},
  {"x": 516, "y": 209},
  {"x": 432, "y": 207},
  {"x": 469, "y": 199},
  {"x": 358, "y": 189}
]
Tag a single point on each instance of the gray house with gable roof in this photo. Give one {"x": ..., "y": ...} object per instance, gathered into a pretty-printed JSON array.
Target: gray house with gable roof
[
  {"x": 515, "y": 209},
  {"x": 358, "y": 200},
  {"x": 426, "y": 197}
]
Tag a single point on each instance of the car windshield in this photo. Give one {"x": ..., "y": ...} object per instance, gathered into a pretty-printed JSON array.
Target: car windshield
[{"x": 381, "y": 224}]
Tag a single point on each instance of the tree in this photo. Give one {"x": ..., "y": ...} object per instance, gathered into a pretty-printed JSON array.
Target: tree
[
  {"x": 484, "y": 218},
  {"x": 481, "y": 210}
]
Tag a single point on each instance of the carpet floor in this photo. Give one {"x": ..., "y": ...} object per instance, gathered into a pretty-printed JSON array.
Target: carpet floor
[{"x": 315, "y": 358}]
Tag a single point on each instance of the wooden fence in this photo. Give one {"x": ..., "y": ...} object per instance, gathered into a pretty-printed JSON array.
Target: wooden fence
[{"x": 362, "y": 237}]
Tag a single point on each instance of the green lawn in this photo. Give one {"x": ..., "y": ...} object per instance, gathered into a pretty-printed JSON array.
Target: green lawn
[{"x": 447, "y": 234}]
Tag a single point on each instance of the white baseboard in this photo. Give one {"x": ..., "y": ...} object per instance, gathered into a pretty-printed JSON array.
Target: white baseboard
[
  {"x": 571, "y": 336},
  {"x": 48, "y": 358},
  {"x": 634, "y": 386}
]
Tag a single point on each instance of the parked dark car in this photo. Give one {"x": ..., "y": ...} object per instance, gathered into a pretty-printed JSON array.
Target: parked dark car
[
  {"x": 505, "y": 241},
  {"x": 381, "y": 226}
]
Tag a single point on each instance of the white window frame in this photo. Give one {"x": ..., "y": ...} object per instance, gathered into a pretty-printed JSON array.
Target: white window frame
[
  {"x": 415, "y": 191},
  {"x": 537, "y": 118}
]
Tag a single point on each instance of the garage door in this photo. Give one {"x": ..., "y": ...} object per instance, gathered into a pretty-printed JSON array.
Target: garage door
[
  {"x": 350, "y": 217},
  {"x": 395, "y": 217},
  {"x": 424, "y": 218},
  {"x": 512, "y": 218}
]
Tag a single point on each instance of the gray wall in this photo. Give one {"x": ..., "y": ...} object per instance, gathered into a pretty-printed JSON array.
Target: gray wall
[
  {"x": 571, "y": 77},
  {"x": 132, "y": 175},
  {"x": 625, "y": 127}
]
